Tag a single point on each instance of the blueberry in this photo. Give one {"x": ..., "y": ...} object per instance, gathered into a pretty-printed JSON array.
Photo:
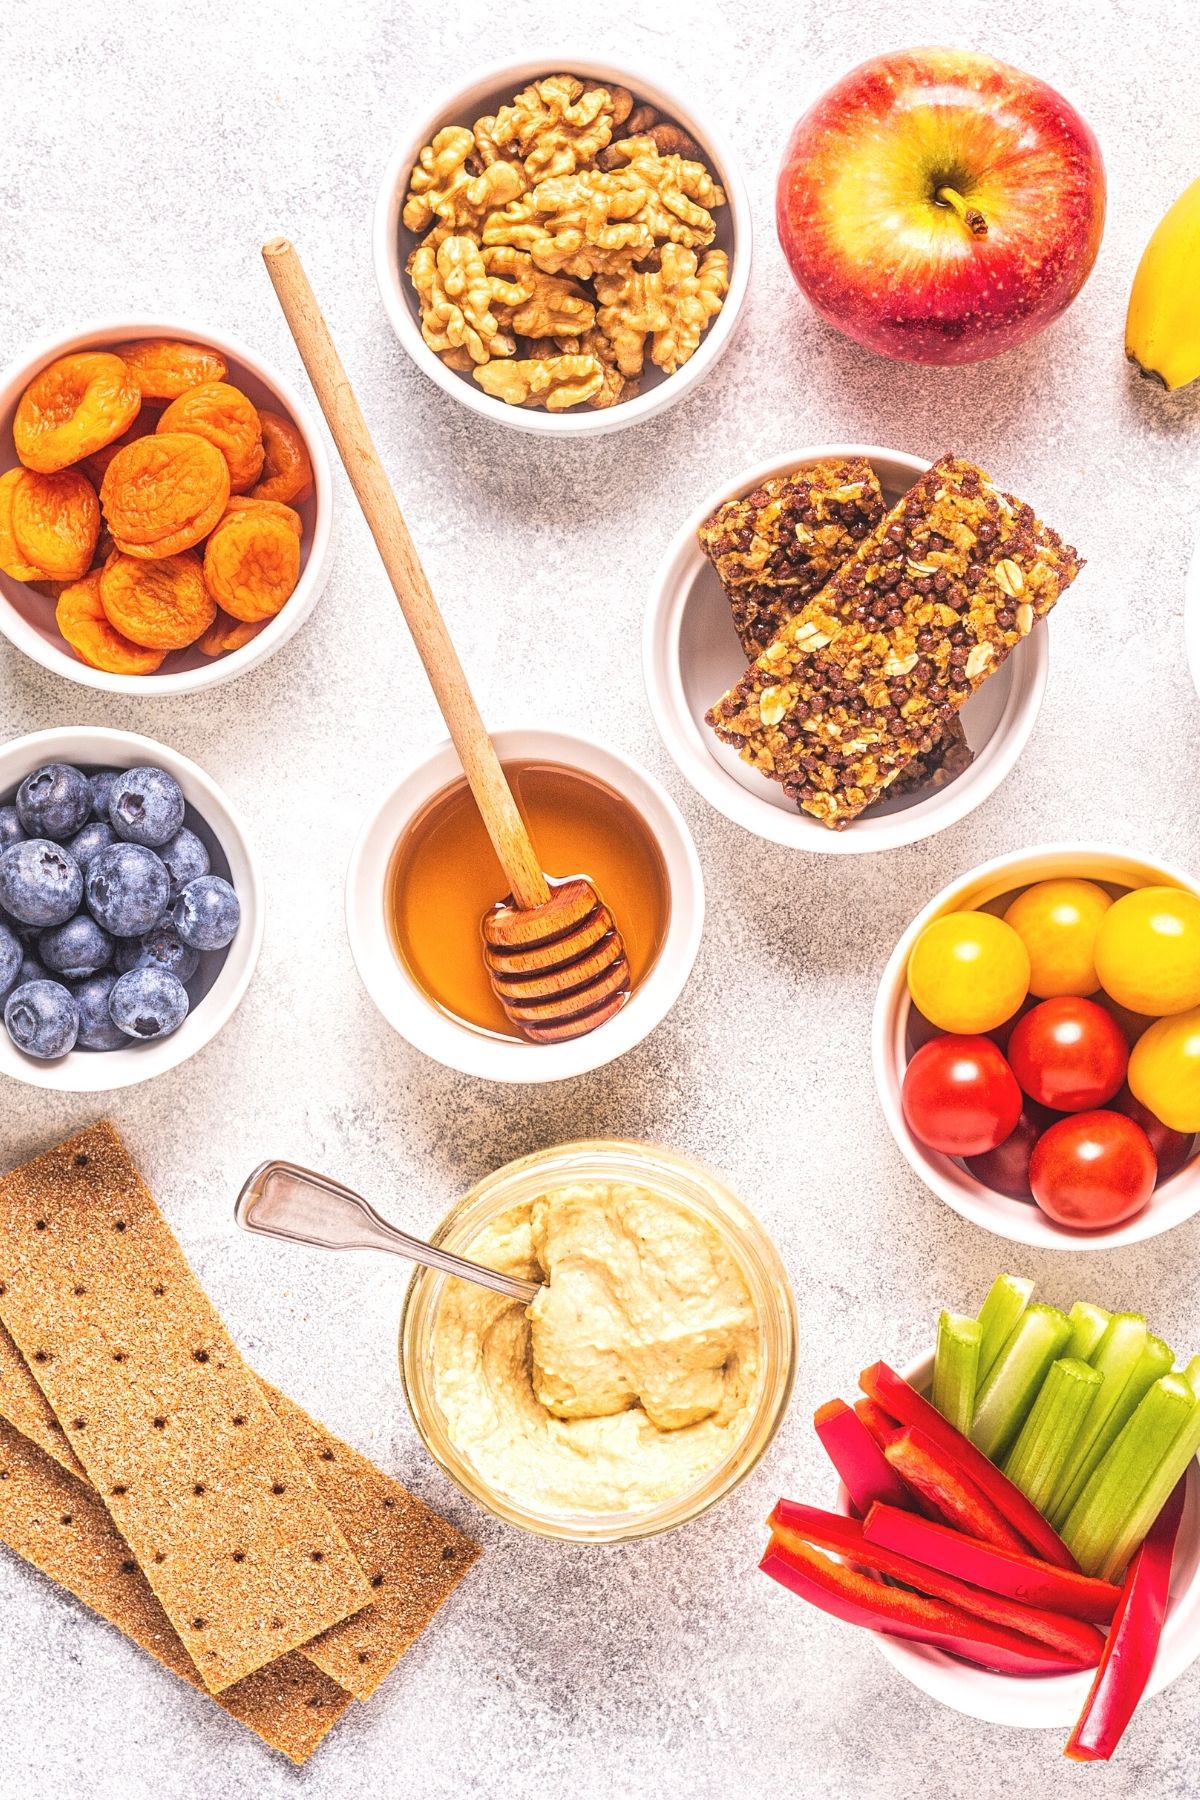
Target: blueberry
[
  {"x": 54, "y": 801},
  {"x": 101, "y": 784},
  {"x": 77, "y": 949},
  {"x": 40, "y": 882},
  {"x": 96, "y": 1028},
  {"x": 145, "y": 806},
  {"x": 11, "y": 828},
  {"x": 161, "y": 946},
  {"x": 207, "y": 913},
  {"x": 42, "y": 1018},
  {"x": 31, "y": 970},
  {"x": 127, "y": 889},
  {"x": 185, "y": 857},
  {"x": 148, "y": 1002},
  {"x": 97, "y": 834},
  {"x": 12, "y": 954}
]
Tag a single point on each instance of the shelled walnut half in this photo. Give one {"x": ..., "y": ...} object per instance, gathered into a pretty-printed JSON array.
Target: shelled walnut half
[{"x": 564, "y": 251}]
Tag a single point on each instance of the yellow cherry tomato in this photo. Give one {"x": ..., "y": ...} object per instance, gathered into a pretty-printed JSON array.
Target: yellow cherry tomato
[
  {"x": 1164, "y": 1070},
  {"x": 968, "y": 972},
  {"x": 1148, "y": 951},
  {"x": 1057, "y": 921}
]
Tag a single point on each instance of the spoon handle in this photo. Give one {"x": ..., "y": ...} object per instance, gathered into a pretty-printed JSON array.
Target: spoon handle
[{"x": 282, "y": 1200}]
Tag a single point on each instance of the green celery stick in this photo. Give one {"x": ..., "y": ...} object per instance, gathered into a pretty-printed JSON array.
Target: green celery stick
[
  {"x": 1036, "y": 1460},
  {"x": 1099, "y": 1523},
  {"x": 1154, "y": 1360},
  {"x": 1154, "y": 1497},
  {"x": 1192, "y": 1375},
  {"x": 956, "y": 1368},
  {"x": 1116, "y": 1356},
  {"x": 1088, "y": 1325},
  {"x": 1006, "y": 1398},
  {"x": 1007, "y": 1299}
]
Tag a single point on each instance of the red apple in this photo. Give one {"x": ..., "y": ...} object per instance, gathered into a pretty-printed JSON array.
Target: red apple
[{"x": 940, "y": 206}]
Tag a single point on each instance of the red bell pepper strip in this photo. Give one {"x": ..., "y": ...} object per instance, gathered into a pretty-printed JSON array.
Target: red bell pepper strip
[
  {"x": 1020, "y": 1577},
  {"x": 902, "y": 1401},
  {"x": 881, "y": 1426},
  {"x": 864, "y": 1600},
  {"x": 857, "y": 1458},
  {"x": 794, "y": 1523},
  {"x": 952, "y": 1495},
  {"x": 1132, "y": 1640}
]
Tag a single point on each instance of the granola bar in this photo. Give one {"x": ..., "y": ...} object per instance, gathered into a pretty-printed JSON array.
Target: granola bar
[
  {"x": 779, "y": 545},
  {"x": 873, "y": 670},
  {"x": 938, "y": 766}
]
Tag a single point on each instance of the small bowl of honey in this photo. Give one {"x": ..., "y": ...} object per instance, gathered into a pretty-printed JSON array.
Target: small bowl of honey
[{"x": 423, "y": 874}]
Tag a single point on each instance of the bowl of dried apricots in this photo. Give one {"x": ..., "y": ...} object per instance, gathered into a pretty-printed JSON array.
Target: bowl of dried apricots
[{"x": 164, "y": 508}]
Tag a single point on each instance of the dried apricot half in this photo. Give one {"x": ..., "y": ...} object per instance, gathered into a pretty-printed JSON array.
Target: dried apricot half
[
  {"x": 83, "y": 622},
  {"x": 164, "y": 368},
  {"x": 163, "y": 605},
  {"x": 55, "y": 521},
  {"x": 96, "y": 465},
  {"x": 274, "y": 508},
  {"x": 73, "y": 406},
  {"x": 252, "y": 564},
  {"x": 224, "y": 416},
  {"x": 11, "y": 560},
  {"x": 225, "y": 634},
  {"x": 287, "y": 471},
  {"x": 162, "y": 494}
]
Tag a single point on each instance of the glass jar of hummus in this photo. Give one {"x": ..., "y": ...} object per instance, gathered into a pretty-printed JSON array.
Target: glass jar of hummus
[{"x": 649, "y": 1375}]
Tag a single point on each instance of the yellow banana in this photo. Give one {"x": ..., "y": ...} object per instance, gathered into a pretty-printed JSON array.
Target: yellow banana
[{"x": 1162, "y": 326}]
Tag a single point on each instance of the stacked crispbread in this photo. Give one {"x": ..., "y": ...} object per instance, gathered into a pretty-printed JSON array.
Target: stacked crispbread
[{"x": 144, "y": 1466}]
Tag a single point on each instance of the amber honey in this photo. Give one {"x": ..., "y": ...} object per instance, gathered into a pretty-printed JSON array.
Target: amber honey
[{"x": 444, "y": 877}]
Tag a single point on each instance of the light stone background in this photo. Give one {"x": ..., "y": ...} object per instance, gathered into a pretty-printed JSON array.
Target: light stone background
[{"x": 149, "y": 149}]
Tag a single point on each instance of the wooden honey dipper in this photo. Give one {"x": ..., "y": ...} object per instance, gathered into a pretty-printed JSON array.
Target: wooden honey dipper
[{"x": 553, "y": 952}]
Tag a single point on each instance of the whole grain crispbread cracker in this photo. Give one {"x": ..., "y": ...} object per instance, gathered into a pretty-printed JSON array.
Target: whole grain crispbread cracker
[
  {"x": 170, "y": 1424},
  {"x": 413, "y": 1558},
  {"x": 58, "y": 1524},
  {"x": 24, "y": 1405}
]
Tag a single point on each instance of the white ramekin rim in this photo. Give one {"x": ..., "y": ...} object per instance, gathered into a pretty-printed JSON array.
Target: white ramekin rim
[
  {"x": 417, "y": 1019},
  {"x": 452, "y": 106},
  {"x": 1021, "y": 1222},
  {"x": 689, "y": 745},
  {"x": 59, "y": 658},
  {"x": 105, "y": 1071}
]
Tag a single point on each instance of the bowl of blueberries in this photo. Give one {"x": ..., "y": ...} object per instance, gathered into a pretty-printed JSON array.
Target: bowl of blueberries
[{"x": 130, "y": 909}]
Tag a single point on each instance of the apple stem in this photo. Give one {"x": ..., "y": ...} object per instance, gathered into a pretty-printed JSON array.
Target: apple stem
[{"x": 971, "y": 216}]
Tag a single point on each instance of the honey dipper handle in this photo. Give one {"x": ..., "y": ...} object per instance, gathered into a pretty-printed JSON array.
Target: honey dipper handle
[{"x": 343, "y": 415}]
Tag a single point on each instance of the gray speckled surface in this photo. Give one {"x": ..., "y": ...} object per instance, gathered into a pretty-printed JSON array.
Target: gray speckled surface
[{"x": 148, "y": 150}]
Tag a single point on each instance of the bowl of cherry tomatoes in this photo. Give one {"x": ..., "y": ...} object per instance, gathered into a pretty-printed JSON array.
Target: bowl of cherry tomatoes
[{"x": 1036, "y": 1045}]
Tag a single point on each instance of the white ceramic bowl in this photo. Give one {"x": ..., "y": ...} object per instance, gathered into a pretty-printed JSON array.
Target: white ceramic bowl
[
  {"x": 483, "y": 93},
  {"x": 223, "y": 976},
  {"x": 27, "y": 617},
  {"x": 409, "y": 1010},
  {"x": 691, "y": 656},
  {"x": 1019, "y": 1220},
  {"x": 1056, "y": 1701}
]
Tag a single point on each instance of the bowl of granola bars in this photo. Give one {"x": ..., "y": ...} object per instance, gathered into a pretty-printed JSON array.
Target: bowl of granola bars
[
  {"x": 562, "y": 246},
  {"x": 845, "y": 651}
]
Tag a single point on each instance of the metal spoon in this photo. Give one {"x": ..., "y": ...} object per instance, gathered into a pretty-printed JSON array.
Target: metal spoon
[{"x": 282, "y": 1200}]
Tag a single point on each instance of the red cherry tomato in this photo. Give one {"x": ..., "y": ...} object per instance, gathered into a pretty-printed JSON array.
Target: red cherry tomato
[
  {"x": 1068, "y": 1054},
  {"x": 1171, "y": 1148},
  {"x": 1092, "y": 1170},
  {"x": 1006, "y": 1168},
  {"x": 960, "y": 1096}
]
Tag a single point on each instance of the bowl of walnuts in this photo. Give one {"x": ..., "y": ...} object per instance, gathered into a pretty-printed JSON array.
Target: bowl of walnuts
[
  {"x": 165, "y": 507},
  {"x": 563, "y": 246}
]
